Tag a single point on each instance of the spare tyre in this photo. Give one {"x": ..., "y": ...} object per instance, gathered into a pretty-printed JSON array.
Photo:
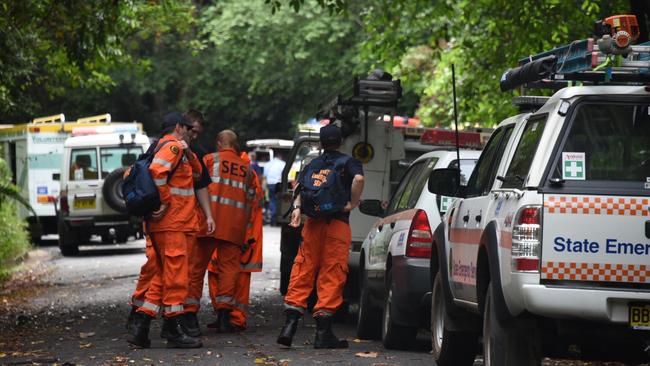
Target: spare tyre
[{"x": 112, "y": 190}]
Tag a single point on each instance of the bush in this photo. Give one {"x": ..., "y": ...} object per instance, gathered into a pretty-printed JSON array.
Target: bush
[{"x": 14, "y": 242}]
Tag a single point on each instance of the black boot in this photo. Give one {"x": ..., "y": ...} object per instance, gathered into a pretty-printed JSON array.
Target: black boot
[
  {"x": 176, "y": 337},
  {"x": 129, "y": 320},
  {"x": 223, "y": 321},
  {"x": 290, "y": 326},
  {"x": 325, "y": 338},
  {"x": 190, "y": 323},
  {"x": 139, "y": 332}
]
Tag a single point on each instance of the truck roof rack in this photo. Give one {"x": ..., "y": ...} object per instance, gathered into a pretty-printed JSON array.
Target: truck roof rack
[
  {"x": 529, "y": 103},
  {"x": 365, "y": 93},
  {"x": 106, "y": 118},
  {"x": 580, "y": 61}
]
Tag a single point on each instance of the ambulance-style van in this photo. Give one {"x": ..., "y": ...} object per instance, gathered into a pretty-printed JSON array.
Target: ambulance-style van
[
  {"x": 548, "y": 247},
  {"x": 34, "y": 153}
]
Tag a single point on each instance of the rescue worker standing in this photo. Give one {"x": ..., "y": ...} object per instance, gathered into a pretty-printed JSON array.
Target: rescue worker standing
[
  {"x": 172, "y": 229},
  {"x": 251, "y": 258},
  {"x": 231, "y": 205},
  {"x": 324, "y": 250}
]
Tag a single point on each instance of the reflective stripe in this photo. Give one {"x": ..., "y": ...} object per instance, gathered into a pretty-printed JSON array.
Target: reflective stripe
[
  {"x": 162, "y": 162},
  {"x": 192, "y": 301},
  {"x": 251, "y": 266},
  {"x": 215, "y": 166},
  {"x": 174, "y": 308},
  {"x": 227, "y": 201},
  {"x": 242, "y": 307},
  {"x": 160, "y": 182},
  {"x": 296, "y": 308},
  {"x": 229, "y": 182},
  {"x": 225, "y": 299},
  {"x": 137, "y": 302},
  {"x": 150, "y": 306},
  {"x": 182, "y": 191}
]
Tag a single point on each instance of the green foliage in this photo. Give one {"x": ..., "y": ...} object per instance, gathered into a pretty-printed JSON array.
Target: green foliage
[{"x": 13, "y": 235}]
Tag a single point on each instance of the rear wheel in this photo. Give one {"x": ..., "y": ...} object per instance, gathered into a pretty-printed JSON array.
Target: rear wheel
[
  {"x": 449, "y": 348},
  {"x": 68, "y": 240},
  {"x": 506, "y": 342},
  {"x": 369, "y": 322},
  {"x": 393, "y": 335}
]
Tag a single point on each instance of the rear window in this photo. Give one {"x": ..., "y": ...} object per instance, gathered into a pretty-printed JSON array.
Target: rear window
[
  {"x": 117, "y": 157},
  {"x": 606, "y": 142},
  {"x": 83, "y": 164}
]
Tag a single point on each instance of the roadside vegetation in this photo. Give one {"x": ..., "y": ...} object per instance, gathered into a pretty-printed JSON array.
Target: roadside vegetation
[{"x": 14, "y": 242}]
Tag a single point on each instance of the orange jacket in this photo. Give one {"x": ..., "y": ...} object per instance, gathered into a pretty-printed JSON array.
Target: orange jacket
[
  {"x": 251, "y": 259},
  {"x": 231, "y": 194},
  {"x": 178, "y": 192}
]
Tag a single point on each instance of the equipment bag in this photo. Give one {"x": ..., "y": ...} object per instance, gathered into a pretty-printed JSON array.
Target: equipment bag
[
  {"x": 138, "y": 189},
  {"x": 322, "y": 191}
]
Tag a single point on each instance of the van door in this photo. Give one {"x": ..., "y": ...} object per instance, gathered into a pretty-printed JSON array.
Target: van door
[{"x": 83, "y": 182}]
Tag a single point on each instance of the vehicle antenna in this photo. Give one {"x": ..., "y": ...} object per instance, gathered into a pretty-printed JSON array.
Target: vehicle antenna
[{"x": 453, "y": 86}]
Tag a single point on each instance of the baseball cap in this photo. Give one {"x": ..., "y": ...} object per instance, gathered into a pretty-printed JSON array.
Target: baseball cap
[
  {"x": 330, "y": 135},
  {"x": 173, "y": 118}
]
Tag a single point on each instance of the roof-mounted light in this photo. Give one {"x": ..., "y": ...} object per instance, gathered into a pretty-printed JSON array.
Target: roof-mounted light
[{"x": 440, "y": 137}]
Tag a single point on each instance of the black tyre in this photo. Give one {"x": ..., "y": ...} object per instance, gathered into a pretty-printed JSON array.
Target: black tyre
[
  {"x": 68, "y": 240},
  {"x": 369, "y": 319},
  {"x": 507, "y": 343},
  {"x": 122, "y": 237},
  {"x": 449, "y": 348},
  {"x": 112, "y": 190},
  {"x": 394, "y": 336}
]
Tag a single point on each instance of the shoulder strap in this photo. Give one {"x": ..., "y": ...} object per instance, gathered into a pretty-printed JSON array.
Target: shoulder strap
[{"x": 160, "y": 146}]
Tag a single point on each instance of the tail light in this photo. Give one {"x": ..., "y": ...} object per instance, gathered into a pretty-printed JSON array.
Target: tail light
[
  {"x": 64, "y": 207},
  {"x": 420, "y": 237},
  {"x": 527, "y": 239}
]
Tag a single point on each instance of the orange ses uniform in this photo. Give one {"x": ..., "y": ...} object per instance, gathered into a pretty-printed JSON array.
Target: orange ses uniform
[
  {"x": 251, "y": 260},
  {"x": 231, "y": 197},
  {"x": 175, "y": 231}
]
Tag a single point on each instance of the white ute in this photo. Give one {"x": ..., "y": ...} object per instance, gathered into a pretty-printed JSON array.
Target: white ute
[{"x": 549, "y": 245}]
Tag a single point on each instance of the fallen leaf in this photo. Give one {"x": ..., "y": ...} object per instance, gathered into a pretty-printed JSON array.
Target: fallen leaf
[
  {"x": 146, "y": 359},
  {"x": 366, "y": 354},
  {"x": 260, "y": 361},
  {"x": 86, "y": 335},
  {"x": 86, "y": 345},
  {"x": 357, "y": 340},
  {"x": 3, "y": 355}
]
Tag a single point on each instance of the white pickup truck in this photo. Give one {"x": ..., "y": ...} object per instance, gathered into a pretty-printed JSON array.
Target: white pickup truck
[{"x": 549, "y": 245}]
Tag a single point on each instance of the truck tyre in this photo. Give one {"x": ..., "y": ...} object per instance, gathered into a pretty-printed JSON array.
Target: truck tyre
[
  {"x": 394, "y": 336},
  {"x": 449, "y": 348},
  {"x": 68, "y": 240},
  {"x": 505, "y": 342},
  {"x": 369, "y": 322},
  {"x": 112, "y": 190}
]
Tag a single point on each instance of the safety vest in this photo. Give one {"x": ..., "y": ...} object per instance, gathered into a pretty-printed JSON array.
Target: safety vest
[
  {"x": 251, "y": 259},
  {"x": 178, "y": 191},
  {"x": 231, "y": 194}
]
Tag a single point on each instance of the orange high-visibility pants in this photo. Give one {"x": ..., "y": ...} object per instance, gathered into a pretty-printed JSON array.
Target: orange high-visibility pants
[
  {"x": 242, "y": 297},
  {"x": 169, "y": 286},
  {"x": 200, "y": 255},
  {"x": 228, "y": 263},
  {"x": 147, "y": 271},
  {"x": 324, "y": 250}
]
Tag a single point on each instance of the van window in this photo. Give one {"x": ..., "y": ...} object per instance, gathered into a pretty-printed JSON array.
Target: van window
[
  {"x": 525, "y": 152},
  {"x": 482, "y": 178},
  {"x": 117, "y": 157},
  {"x": 466, "y": 168},
  {"x": 606, "y": 142},
  {"x": 83, "y": 164}
]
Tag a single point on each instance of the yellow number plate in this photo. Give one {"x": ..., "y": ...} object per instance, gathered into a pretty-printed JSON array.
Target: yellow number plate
[
  {"x": 640, "y": 316},
  {"x": 84, "y": 203}
]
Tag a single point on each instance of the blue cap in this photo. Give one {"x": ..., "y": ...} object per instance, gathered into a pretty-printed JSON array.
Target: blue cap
[
  {"x": 174, "y": 118},
  {"x": 330, "y": 135}
]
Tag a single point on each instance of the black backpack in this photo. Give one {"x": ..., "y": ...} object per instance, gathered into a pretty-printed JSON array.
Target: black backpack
[
  {"x": 138, "y": 189},
  {"x": 322, "y": 190}
]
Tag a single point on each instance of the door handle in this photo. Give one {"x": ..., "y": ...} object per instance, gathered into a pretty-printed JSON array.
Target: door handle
[
  {"x": 392, "y": 225},
  {"x": 478, "y": 218},
  {"x": 466, "y": 218}
]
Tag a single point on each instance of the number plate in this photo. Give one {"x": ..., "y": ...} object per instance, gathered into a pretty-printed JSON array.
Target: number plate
[
  {"x": 84, "y": 203},
  {"x": 640, "y": 316}
]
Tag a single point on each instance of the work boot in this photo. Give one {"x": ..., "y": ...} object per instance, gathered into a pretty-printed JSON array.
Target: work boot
[
  {"x": 223, "y": 321},
  {"x": 325, "y": 338},
  {"x": 176, "y": 337},
  {"x": 190, "y": 323},
  {"x": 139, "y": 332},
  {"x": 129, "y": 320},
  {"x": 290, "y": 326}
]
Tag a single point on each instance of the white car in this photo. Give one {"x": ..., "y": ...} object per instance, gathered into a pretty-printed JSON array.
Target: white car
[
  {"x": 394, "y": 266},
  {"x": 91, "y": 201}
]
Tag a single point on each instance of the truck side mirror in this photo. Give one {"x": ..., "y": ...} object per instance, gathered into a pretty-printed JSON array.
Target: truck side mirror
[
  {"x": 371, "y": 207},
  {"x": 444, "y": 182}
]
